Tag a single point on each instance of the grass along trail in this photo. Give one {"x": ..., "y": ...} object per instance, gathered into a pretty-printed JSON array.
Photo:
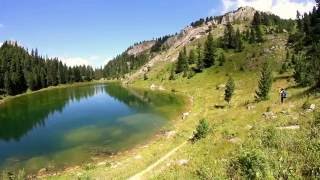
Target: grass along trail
[{"x": 155, "y": 164}]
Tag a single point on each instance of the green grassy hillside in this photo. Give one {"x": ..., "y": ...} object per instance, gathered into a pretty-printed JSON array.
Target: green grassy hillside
[{"x": 266, "y": 140}]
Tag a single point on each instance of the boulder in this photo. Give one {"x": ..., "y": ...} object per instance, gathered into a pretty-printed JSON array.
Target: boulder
[
  {"x": 153, "y": 87},
  {"x": 250, "y": 107},
  {"x": 185, "y": 115},
  {"x": 269, "y": 115},
  {"x": 182, "y": 162},
  {"x": 170, "y": 134},
  {"x": 312, "y": 107},
  {"x": 42, "y": 171}
]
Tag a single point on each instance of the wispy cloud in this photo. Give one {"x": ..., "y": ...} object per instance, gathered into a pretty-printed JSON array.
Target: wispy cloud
[
  {"x": 94, "y": 61},
  {"x": 283, "y": 8},
  {"x": 73, "y": 61}
]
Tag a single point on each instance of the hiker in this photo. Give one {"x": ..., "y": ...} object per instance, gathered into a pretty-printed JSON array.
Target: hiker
[{"x": 283, "y": 94}]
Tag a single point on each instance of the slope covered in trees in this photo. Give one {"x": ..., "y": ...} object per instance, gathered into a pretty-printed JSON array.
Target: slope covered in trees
[
  {"x": 306, "y": 48},
  {"x": 21, "y": 70}
]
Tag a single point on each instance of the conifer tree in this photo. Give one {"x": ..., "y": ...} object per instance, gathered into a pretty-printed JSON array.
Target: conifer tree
[
  {"x": 192, "y": 56},
  {"x": 172, "y": 74},
  {"x": 229, "y": 37},
  {"x": 222, "y": 59},
  {"x": 200, "y": 63},
  {"x": 238, "y": 41},
  {"x": 258, "y": 33},
  {"x": 252, "y": 38},
  {"x": 182, "y": 64},
  {"x": 230, "y": 86},
  {"x": 209, "y": 52},
  {"x": 265, "y": 83}
]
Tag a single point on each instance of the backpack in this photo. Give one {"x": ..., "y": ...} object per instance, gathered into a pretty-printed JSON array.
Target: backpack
[{"x": 284, "y": 94}]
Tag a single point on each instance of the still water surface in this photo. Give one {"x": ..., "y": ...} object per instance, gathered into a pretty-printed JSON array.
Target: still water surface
[{"x": 69, "y": 126}]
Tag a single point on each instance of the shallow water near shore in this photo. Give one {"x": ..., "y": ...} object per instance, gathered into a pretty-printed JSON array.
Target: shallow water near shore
[{"x": 64, "y": 127}]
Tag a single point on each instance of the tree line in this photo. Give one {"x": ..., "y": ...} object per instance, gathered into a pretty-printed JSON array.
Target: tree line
[
  {"x": 306, "y": 48},
  {"x": 123, "y": 64},
  {"x": 21, "y": 70}
]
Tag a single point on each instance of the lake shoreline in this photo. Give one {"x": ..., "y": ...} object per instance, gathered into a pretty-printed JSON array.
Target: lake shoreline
[
  {"x": 8, "y": 98},
  {"x": 125, "y": 154}
]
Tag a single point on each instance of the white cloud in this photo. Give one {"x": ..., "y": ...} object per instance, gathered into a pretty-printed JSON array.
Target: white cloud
[
  {"x": 94, "y": 61},
  {"x": 73, "y": 61},
  {"x": 283, "y": 8}
]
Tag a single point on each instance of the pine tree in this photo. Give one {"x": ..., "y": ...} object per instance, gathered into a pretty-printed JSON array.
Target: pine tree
[
  {"x": 172, "y": 74},
  {"x": 256, "y": 19},
  {"x": 252, "y": 38},
  {"x": 192, "y": 56},
  {"x": 265, "y": 82},
  {"x": 182, "y": 64},
  {"x": 230, "y": 86},
  {"x": 238, "y": 41},
  {"x": 229, "y": 37},
  {"x": 7, "y": 83},
  {"x": 258, "y": 33},
  {"x": 209, "y": 51},
  {"x": 222, "y": 59},
  {"x": 200, "y": 63}
]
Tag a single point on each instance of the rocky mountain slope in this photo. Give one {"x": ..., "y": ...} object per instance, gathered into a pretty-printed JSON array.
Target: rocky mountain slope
[{"x": 188, "y": 35}]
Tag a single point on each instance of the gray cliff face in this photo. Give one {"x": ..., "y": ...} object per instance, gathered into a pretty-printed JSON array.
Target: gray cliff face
[{"x": 241, "y": 14}]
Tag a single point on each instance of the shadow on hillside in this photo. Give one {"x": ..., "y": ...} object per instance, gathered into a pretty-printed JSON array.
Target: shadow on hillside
[
  {"x": 306, "y": 93},
  {"x": 282, "y": 77}
]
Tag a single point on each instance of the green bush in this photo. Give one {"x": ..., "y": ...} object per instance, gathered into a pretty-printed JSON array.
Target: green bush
[
  {"x": 249, "y": 164},
  {"x": 311, "y": 164},
  {"x": 306, "y": 105},
  {"x": 202, "y": 130},
  {"x": 269, "y": 138}
]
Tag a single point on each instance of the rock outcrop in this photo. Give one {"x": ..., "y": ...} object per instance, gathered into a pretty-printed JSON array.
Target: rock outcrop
[
  {"x": 240, "y": 15},
  {"x": 144, "y": 46},
  {"x": 187, "y": 35}
]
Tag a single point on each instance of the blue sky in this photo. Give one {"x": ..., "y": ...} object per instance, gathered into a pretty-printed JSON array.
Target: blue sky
[{"x": 93, "y": 31}]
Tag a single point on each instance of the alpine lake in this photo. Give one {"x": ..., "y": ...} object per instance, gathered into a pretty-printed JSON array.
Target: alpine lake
[{"x": 65, "y": 127}]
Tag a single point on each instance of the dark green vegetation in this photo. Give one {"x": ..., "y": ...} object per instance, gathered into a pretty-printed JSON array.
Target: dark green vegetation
[
  {"x": 228, "y": 93},
  {"x": 258, "y": 137},
  {"x": 306, "y": 48},
  {"x": 21, "y": 70},
  {"x": 68, "y": 126},
  {"x": 213, "y": 51},
  {"x": 202, "y": 130},
  {"x": 124, "y": 64},
  {"x": 255, "y": 138},
  {"x": 265, "y": 83}
]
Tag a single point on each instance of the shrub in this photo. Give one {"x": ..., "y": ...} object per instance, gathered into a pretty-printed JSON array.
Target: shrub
[
  {"x": 268, "y": 109},
  {"x": 269, "y": 138},
  {"x": 311, "y": 165},
  {"x": 205, "y": 173},
  {"x": 315, "y": 126},
  {"x": 306, "y": 105},
  {"x": 202, "y": 130},
  {"x": 191, "y": 74},
  {"x": 145, "y": 77},
  {"x": 249, "y": 165}
]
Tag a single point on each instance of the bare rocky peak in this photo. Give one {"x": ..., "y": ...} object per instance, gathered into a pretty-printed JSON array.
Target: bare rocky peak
[
  {"x": 190, "y": 33},
  {"x": 137, "y": 49},
  {"x": 241, "y": 14}
]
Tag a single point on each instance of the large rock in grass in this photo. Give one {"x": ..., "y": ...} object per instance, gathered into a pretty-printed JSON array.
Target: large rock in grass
[{"x": 269, "y": 115}]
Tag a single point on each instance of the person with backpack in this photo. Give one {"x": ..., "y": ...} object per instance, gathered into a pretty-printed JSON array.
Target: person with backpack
[{"x": 283, "y": 94}]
